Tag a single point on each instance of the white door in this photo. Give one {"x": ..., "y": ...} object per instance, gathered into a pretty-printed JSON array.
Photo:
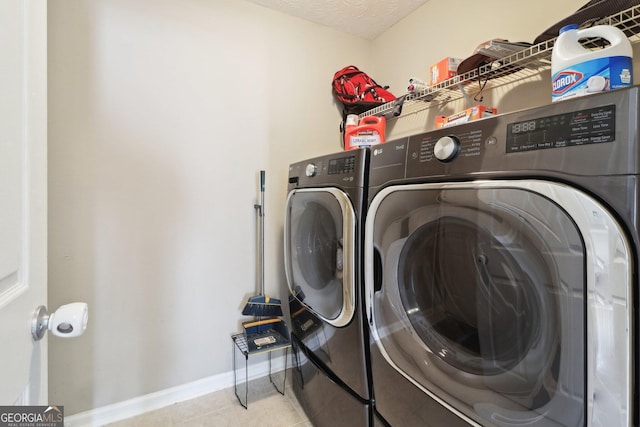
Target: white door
[{"x": 23, "y": 198}]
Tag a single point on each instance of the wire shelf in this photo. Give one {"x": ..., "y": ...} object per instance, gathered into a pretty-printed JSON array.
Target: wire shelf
[
  {"x": 263, "y": 342},
  {"x": 527, "y": 63}
]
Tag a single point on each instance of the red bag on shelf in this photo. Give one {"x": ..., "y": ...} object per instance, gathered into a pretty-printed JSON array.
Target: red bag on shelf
[{"x": 358, "y": 92}]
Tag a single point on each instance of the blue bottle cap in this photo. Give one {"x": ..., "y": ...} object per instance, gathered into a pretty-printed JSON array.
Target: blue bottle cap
[{"x": 568, "y": 27}]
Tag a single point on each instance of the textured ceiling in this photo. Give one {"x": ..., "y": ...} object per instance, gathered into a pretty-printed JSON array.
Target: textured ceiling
[{"x": 363, "y": 18}]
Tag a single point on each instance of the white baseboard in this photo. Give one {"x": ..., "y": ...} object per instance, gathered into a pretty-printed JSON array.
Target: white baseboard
[{"x": 150, "y": 402}]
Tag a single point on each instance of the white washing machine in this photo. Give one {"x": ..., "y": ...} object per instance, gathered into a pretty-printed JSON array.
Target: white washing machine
[{"x": 501, "y": 269}]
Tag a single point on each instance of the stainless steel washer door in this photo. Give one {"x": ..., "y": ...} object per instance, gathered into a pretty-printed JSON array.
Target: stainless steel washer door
[
  {"x": 495, "y": 298},
  {"x": 319, "y": 252}
]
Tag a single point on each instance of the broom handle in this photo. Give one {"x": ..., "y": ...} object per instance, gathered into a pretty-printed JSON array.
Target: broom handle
[{"x": 261, "y": 213}]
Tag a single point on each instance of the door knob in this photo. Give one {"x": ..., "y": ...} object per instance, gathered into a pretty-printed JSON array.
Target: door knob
[{"x": 68, "y": 321}]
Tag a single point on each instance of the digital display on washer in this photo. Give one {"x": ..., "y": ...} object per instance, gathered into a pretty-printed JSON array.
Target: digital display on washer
[
  {"x": 342, "y": 165},
  {"x": 592, "y": 126}
]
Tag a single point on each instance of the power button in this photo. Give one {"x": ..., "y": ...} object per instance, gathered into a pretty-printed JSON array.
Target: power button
[{"x": 311, "y": 170}]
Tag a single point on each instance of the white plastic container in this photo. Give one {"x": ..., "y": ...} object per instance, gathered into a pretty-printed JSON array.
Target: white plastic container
[{"x": 577, "y": 71}]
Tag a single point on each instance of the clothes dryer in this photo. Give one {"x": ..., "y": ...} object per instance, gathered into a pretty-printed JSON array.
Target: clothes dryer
[
  {"x": 323, "y": 253},
  {"x": 501, "y": 269}
]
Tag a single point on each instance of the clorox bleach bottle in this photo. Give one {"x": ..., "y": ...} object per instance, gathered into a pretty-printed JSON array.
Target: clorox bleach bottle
[{"x": 578, "y": 71}]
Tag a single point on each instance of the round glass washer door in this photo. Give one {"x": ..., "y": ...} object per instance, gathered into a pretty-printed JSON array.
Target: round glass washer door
[
  {"x": 484, "y": 296},
  {"x": 470, "y": 298},
  {"x": 319, "y": 252}
]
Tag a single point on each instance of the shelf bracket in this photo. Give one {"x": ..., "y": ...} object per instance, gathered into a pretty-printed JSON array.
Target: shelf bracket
[{"x": 466, "y": 96}]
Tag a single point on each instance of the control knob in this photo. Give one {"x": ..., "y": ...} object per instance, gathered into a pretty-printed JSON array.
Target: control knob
[
  {"x": 446, "y": 148},
  {"x": 311, "y": 170}
]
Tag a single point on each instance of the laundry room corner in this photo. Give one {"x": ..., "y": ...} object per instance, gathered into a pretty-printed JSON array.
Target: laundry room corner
[{"x": 199, "y": 161}]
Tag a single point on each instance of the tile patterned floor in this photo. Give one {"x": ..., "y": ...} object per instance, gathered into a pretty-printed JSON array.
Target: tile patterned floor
[{"x": 266, "y": 408}]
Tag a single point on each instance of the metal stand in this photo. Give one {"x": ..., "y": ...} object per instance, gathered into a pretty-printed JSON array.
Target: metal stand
[{"x": 240, "y": 344}]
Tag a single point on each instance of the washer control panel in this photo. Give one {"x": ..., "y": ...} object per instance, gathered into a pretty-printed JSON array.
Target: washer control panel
[
  {"x": 595, "y": 135},
  {"x": 342, "y": 165},
  {"x": 344, "y": 169},
  {"x": 582, "y": 127},
  {"x": 590, "y": 126}
]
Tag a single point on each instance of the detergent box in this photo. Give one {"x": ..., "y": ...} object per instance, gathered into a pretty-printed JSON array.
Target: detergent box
[
  {"x": 443, "y": 70},
  {"x": 473, "y": 113}
]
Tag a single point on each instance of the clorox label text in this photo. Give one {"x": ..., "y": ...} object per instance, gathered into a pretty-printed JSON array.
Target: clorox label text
[{"x": 565, "y": 80}]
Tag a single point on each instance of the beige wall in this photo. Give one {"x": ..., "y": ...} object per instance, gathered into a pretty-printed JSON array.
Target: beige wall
[{"x": 161, "y": 114}]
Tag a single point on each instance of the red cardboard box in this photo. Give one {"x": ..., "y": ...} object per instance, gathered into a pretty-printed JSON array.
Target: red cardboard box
[
  {"x": 443, "y": 70},
  {"x": 473, "y": 113}
]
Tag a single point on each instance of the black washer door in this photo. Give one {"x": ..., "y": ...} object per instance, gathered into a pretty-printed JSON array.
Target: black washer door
[
  {"x": 319, "y": 252},
  {"x": 469, "y": 298}
]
